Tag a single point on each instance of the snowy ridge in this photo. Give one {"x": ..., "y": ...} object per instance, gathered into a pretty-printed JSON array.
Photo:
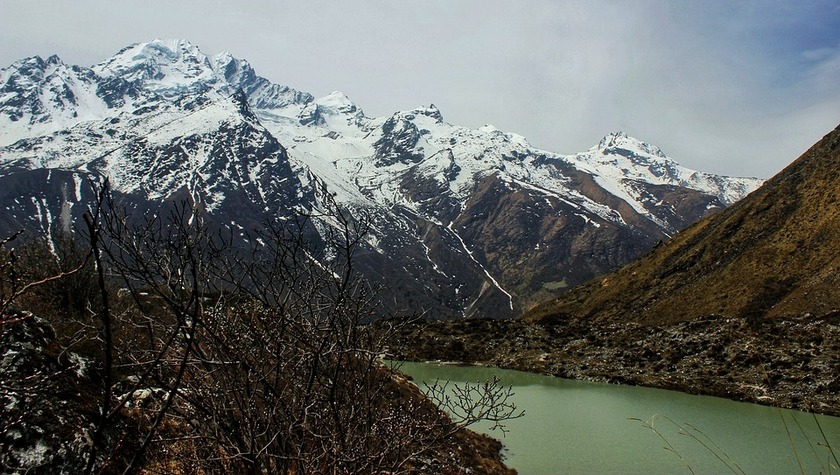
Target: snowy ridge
[
  {"x": 618, "y": 158},
  {"x": 332, "y": 137},
  {"x": 162, "y": 118},
  {"x": 39, "y": 97}
]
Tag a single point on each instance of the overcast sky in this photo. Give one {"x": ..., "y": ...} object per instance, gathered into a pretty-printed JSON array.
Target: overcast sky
[{"x": 732, "y": 87}]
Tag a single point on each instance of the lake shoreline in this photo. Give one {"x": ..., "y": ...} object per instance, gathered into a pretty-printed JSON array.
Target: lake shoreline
[
  {"x": 572, "y": 426},
  {"x": 787, "y": 363}
]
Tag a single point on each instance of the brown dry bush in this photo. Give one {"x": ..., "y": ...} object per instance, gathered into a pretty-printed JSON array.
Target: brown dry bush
[{"x": 224, "y": 357}]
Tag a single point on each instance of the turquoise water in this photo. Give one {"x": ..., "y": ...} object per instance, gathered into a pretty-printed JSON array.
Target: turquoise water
[{"x": 579, "y": 427}]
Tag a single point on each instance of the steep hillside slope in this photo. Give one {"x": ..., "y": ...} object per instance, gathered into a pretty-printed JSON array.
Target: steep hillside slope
[{"x": 776, "y": 253}]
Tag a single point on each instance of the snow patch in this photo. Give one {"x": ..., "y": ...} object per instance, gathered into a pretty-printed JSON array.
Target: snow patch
[{"x": 486, "y": 272}]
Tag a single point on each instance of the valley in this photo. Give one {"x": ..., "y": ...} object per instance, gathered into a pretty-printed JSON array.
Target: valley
[
  {"x": 234, "y": 223},
  {"x": 743, "y": 304}
]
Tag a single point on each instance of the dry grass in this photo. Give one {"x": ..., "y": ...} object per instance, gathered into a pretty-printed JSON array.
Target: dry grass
[{"x": 776, "y": 253}]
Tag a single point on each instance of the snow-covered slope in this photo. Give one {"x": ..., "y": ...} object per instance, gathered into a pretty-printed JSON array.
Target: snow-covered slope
[
  {"x": 38, "y": 96},
  {"x": 463, "y": 221}
]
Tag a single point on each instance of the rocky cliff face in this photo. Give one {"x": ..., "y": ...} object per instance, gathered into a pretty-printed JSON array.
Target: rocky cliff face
[
  {"x": 464, "y": 222},
  {"x": 49, "y": 401}
]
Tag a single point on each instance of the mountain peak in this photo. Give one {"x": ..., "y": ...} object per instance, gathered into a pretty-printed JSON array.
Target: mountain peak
[
  {"x": 616, "y": 134},
  {"x": 26, "y": 66},
  {"x": 162, "y": 118},
  {"x": 337, "y": 102},
  {"x": 621, "y": 141},
  {"x": 430, "y": 111},
  {"x": 172, "y": 47},
  {"x": 169, "y": 64},
  {"x": 336, "y": 98},
  {"x": 54, "y": 60},
  {"x": 158, "y": 51}
]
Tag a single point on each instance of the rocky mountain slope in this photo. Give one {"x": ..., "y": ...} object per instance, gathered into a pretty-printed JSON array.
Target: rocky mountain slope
[
  {"x": 774, "y": 254},
  {"x": 463, "y": 222},
  {"x": 744, "y": 304}
]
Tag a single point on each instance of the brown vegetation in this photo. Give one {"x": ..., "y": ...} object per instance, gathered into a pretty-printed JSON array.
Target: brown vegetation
[
  {"x": 775, "y": 253},
  {"x": 206, "y": 356}
]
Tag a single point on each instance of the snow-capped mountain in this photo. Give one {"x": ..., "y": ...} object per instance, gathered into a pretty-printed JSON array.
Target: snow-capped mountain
[{"x": 465, "y": 221}]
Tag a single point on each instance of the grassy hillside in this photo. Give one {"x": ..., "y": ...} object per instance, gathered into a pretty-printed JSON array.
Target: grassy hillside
[{"x": 775, "y": 253}]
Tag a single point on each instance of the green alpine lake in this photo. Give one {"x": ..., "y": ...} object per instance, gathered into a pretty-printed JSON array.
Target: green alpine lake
[{"x": 580, "y": 427}]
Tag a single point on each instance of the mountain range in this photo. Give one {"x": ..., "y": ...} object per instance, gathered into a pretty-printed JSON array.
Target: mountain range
[{"x": 463, "y": 222}]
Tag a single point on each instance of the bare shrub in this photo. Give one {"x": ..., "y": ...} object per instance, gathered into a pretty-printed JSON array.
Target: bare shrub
[{"x": 250, "y": 358}]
